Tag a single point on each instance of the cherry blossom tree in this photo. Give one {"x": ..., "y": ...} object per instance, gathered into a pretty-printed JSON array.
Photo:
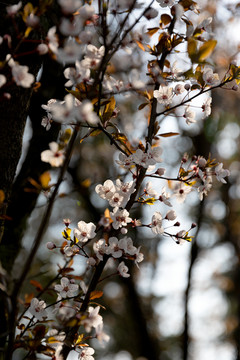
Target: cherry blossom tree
[{"x": 91, "y": 52}]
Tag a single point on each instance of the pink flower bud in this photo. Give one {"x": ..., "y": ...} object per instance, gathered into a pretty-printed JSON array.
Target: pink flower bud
[
  {"x": 32, "y": 20},
  {"x": 151, "y": 13},
  {"x": 50, "y": 245},
  {"x": 7, "y": 96},
  {"x": 160, "y": 171},
  {"x": 42, "y": 49},
  {"x": 67, "y": 222},
  {"x": 124, "y": 231}
]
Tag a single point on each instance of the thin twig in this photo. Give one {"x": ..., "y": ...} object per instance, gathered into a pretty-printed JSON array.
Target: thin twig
[{"x": 36, "y": 243}]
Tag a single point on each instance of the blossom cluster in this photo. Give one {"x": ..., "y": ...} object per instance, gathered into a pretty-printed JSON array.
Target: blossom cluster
[
  {"x": 117, "y": 195},
  {"x": 142, "y": 158},
  {"x": 122, "y": 248},
  {"x": 86, "y": 46},
  {"x": 71, "y": 110}
]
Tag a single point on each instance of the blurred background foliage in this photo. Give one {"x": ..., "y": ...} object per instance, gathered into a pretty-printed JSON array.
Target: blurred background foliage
[{"x": 184, "y": 302}]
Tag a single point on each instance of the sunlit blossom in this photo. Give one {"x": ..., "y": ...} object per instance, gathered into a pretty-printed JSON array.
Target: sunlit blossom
[
  {"x": 85, "y": 231},
  {"x": 54, "y": 156},
  {"x": 156, "y": 225},
  {"x": 164, "y": 95}
]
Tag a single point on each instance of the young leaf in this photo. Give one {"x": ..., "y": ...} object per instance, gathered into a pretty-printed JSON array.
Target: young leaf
[
  {"x": 206, "y": 49},
  {"x": 165, "y": 19},
  {"x": 66, "y": 234},
  {"x": 169, "y": 134},
  {"x": 36, "y": 284},
  {"x": 45, "y": 179},
  {"x": 152, "y": 31},
  {"x": 96, "y": 294},
  {"x": 2, "y": 196},
  {"x": 109, "y": 108}
]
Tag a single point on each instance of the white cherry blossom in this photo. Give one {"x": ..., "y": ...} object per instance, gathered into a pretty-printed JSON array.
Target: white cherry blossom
[
  {"x": 149, "y": 190},
  {"x": 64, "y": 111},
  {"x": 123, "y": 270},
  {"x": 21, "y": 76},
  {"x": 165, "y": 196},
  {"x": 84, "y": 112},
  {"x": 100, "y": 248},
  {"x": 37, "y": 309},
  {"x": 138, "y": 257},
  {"x": 70, "y": 28},
  {"x": 52, "y": 39},
  {"x": 66, "y": 289},
  {"x": 54, "y": 156},
  {"x": 179, "y": 89},
  {"x": 70, "y": 52},
  {"x": 180, "y": 191},
  {"x": 206, "y": 107},
  {"x": 125, "y": 161},
  {"x": 112, "y": 84},
  {"x": 125, "y": 189},
  {"x": 85, "y": 231},
  {"x": 86, "y": 353},
  {"x": 3, "y": 80},
  {"x": 210, "y": 78},
  {"x": 205, "y": 187},
  {"x": 116, "y": 200},
  {"x": 107, "y": 190},
  {"x": 146, "y": 159},
  {"x": 13, "y": 9},
  {"x": 77, "y": 74},
  {"x": 126, "y": 244},
  {"x": 113, "y": 248},
  {"x": 189, "y": 115},
  {"x": 221, "y": 173},
  {"x": 101, "y": 335},
  {"x": 86, "y": 11},
  {"x": 93, "y": 56},
  {"x": 156, "y": 225},
  {"x": 171, "y": 215},
  {"x": 164, "y": 95},
  {"x": 93, "y": 318},
  {"x": 120, "y": 218}
]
